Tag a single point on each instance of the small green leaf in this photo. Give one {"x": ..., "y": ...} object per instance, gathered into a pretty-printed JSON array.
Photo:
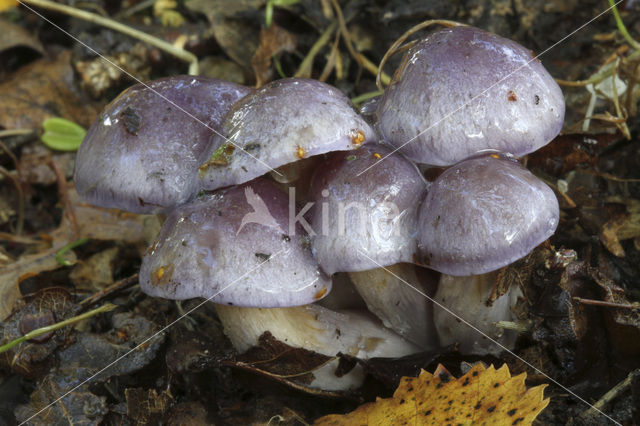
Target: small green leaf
[{"x": 61, "y": 134}]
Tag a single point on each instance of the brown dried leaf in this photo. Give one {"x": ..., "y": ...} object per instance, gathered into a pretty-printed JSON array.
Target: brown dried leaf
[
  {"x": 482, "y": 396},
  {"x": 146, "y": 407},
  {"x": 41, "y": 90},
  {"x": 621, "y": 227},
  {"x": 93, "y": 222},
  {"x": 45, "y": 308},
  {"x": 273, "y": 41},
  {"x": 86, "y": 357},
  {"x": 623, "y": 325},
  {"x": 278, "y": 359},
  {"x": 237, "y": 37},
  {"x": 80, "y": 407},
  {"x": 13, "y": 35}
]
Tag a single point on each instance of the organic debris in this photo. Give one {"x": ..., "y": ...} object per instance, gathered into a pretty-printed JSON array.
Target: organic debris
[{"x": 481, "y": 396}]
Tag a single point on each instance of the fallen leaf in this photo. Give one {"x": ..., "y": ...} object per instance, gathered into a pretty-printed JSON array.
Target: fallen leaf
[
  {"x": 146, "y": 407},
  {"x": 93, "y": 222},
  {"x": 621, "y": 227},
  {"x": 482, "y": 396},
  {"x": 41, "y": 90},
  {"x": 88, "y": 360},
  {"x": 13, "y": 35},
  {"x": 232, "y": 24},
  {"x": 273, "y": 40},
  {"x": 46, "y": 308},
  {"x": 7, "y": 4}
]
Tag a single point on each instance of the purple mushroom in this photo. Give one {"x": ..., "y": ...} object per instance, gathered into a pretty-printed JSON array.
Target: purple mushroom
[
  {"x": 281, "y": 123},
  {"x": 234, "y": 247},
  {"x": 142, "y": 154},
  {"x": 463, "y": 90},
  {"x": 363, "y": 222},
  {"x": 482, "y": 214}
]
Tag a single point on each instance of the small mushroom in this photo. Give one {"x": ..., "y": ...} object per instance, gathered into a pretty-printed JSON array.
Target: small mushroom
[
  {"x": 142, "y": 154},
  {"x": 363, "y": 222},
  {"x": 482, "y": 214},
  {"x": 234, "y": 247},
  {"x": 281, "y": 123},
  {"x": 463, "y": 90},
  {"x": 467, "y": 298}
]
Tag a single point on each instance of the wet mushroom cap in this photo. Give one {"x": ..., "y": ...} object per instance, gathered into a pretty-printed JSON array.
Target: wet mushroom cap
[
  {"x": 283, "y": 122},
  {"x": 462, "y": 90},
  {"x": 482, "y": 214},
  {"x": 142, "y": 154},
  {"x": 234, "y": 246},
  {"x": 363, "y": 222}
]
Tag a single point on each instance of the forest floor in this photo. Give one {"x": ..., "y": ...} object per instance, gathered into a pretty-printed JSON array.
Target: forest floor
[{"x": 582, "y": 312}]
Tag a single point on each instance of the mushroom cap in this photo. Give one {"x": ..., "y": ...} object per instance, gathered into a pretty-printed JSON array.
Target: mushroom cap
[
  {"x": 462, "y": 90},
  {"x": 280, "y": 123},
  {"x": 482, "y": 214},
  {"x": 234, "y": 247},
  {"x": 374, "y": 213},
  {"x": 142, "y": 154}
]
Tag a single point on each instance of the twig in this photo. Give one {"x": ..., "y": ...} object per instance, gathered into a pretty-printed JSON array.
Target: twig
[
  {"x": 607, "y": 304},
  {"x": 604, "y": 72},
  {"x": 334, "y": 59},
  {"x": 15, "y": 132},
  {"x": 608, "y": 397},
  {"x": 307, "y": 63},
  {"x": 395, "y": 47},
  {"x": 49, "y": 328},
  {"x": 117, "y": 26},
  {"x": 362, "y": 60},
  {"x": 63, "y": 193},
  {"x": 113, "y": 288}
]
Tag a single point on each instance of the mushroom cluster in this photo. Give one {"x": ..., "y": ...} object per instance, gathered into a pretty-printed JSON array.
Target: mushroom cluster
[{"x": 274, "y": 195}]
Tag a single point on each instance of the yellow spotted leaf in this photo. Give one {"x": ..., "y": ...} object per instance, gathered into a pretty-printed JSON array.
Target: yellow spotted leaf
[
  {"x": 482, "y": 396},
  {"x": 7, "y": 4}
]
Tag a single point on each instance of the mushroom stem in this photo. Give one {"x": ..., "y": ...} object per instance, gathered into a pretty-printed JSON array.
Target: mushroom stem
[
  {"x": 467, "y": 297},
  {"x": 317, "y": 329},
  {"x": 400, "y": 307}
]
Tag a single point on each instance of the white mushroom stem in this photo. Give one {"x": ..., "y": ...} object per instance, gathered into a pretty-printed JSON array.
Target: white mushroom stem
[
  {"x": 318, "y": 329},
  {"x": 467, "y": 298},
  {"x": 400, "y": 306}
]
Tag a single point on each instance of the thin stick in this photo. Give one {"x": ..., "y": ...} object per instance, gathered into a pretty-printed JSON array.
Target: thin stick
[
  {"x": 117, "y": 286},
  {"x": 334, "y": 57},
  {"x": 395, "y": 46},
  {"x": 610, "y": 396},
  {"x": 362, "y": 60},
  {"x": 607, "y": 304},
  {"x": 117, "y": 26},
  {"x": 604, "y": 72},
  {"x": 15, "y": 132},
  {"x": 307, "y": 63},
  {"x": 49, "y": 328}
]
